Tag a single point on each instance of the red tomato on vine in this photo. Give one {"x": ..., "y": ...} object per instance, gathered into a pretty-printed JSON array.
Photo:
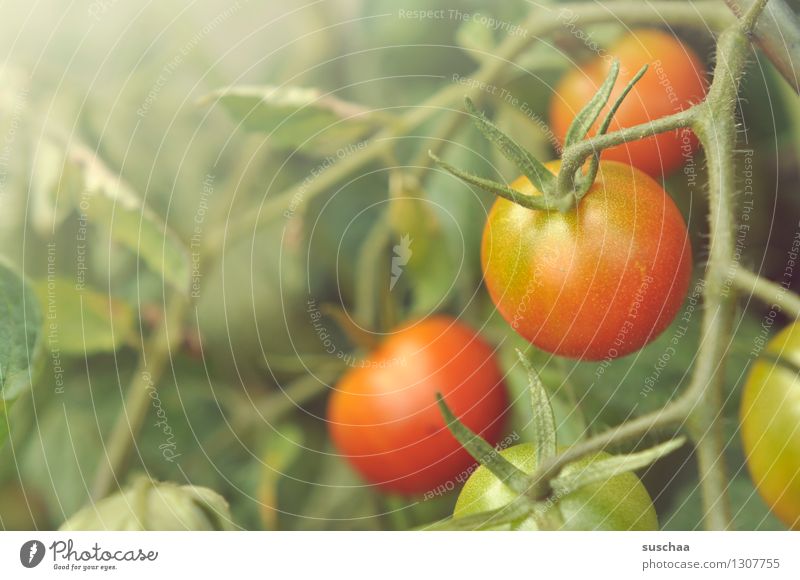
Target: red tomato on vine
[
  {"x": 598, "y": 281},
  {"x": 383, "y": 415}
]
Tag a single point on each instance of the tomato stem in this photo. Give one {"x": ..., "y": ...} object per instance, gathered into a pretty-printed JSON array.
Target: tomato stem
[
  {"x": 153, "y": 361},
  {"x": 773, "y": 295}
]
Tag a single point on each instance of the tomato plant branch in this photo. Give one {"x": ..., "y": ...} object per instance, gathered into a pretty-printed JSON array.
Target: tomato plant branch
[
  {"x": 699, "y": 408},
  {"x": 155, "y": 355},
  {"x": 770, "y": 293},
  {"x": 716, "y": 128},
  {"x": 704, "y": 14}
]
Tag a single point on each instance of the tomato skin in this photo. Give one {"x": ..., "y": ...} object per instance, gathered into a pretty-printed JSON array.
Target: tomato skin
[
  {"x": 597, "y": 282},
  {"x": 621, "y": 503},
  {"x": 383, "y": 417},
  {"x": 770, "y": 420},
  {"x": 675, "y": 80}
]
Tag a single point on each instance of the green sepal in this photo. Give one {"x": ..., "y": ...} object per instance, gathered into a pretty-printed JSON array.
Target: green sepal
[
  {"x": 586, "y": 181},
  {"x": 543, "y": 420},
  {"x": 530, "y": 167},
  {"x": 539, "y": 202},
  {"x": 513, "y": 512},
  {"x": 587, "y": 116},
  {"x": 483, "y": 452}
]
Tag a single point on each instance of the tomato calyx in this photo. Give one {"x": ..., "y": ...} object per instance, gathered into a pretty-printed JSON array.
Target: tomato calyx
[
  {"x": 560, "y": 192},
  {"x": 536, "y": 495},
  {"x": 577, "y": 181}
]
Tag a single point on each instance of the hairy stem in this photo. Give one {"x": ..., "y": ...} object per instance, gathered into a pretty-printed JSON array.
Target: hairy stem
[{"x": 716, "y": 129}]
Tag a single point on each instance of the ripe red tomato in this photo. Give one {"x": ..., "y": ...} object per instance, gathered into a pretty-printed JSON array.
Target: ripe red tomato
[
  {"x": 597, "y": 282},
  {"x": 770, "y": 419},
  {"x": 383, "y": 414},
  {"x": 675, "y": 80}
]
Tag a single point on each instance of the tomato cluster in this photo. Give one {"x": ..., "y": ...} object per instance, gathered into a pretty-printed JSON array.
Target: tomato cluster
[{"x": 595, "y": 282}]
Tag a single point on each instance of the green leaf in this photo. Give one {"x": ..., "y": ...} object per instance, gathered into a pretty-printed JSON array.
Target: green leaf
[
  {"x": 588, "y": 115},
  {"x": 84, "y": 321},
  {"x": 20, "y": 333},
  {"x": 298, "y": 118},
  {"x": 544, "y": 423},
  {"x": 61, "y": 454},
  {"x": 108, "y": 203},
  {"x": 150, "y": 505},
  {"x": 528, "y": 129},
  {"x": 537, "y": 173},
  {"x": 483, "y": 452},
  {"x": 605, "y": 469},
  {"x": 565, "y": 402},
  {"x": 613, "y": 110}
]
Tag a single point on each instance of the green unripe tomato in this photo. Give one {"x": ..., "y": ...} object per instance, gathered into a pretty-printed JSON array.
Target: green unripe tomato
[{"x": 620, "y": 503}]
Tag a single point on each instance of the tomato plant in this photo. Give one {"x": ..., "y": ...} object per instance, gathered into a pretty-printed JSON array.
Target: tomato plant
[
  {"x": 383, "y": 415},
  {"x": 297, "y": 217},
  {"x": 596, "y": 282},
  {"x": 770, "y": 420},
  {"x": 619, "y": 503},
  {"x": 675, "y": 81}
]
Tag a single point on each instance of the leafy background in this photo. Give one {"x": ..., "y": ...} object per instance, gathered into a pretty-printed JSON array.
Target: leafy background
[{"x": 137, "y": 106}]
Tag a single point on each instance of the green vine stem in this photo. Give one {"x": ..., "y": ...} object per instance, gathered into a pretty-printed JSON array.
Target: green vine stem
[
  {"x": 715, "y": 127},
  {"x": 769, "y": 292},
  {"x": 165, "y": 337}
]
